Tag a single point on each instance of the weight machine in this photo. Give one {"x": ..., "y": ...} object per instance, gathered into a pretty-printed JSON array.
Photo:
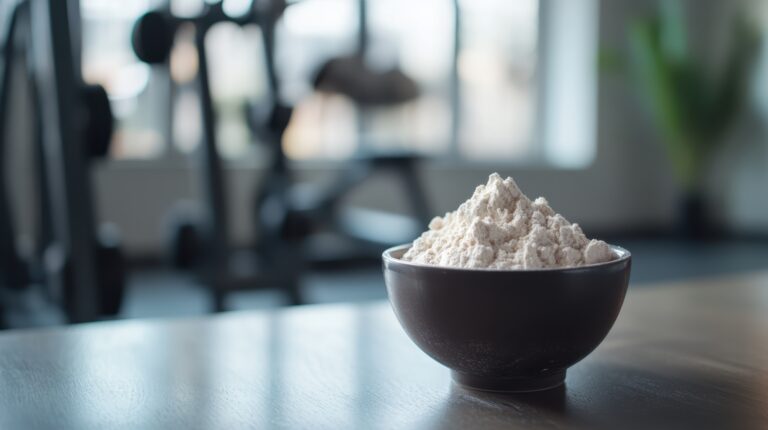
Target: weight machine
[
  {"x": 79, "y": 262},
  {"x": 286, "y": 214}
]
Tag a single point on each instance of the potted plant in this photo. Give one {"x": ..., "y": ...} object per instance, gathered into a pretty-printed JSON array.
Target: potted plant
[{"x": 692, "y": 107}]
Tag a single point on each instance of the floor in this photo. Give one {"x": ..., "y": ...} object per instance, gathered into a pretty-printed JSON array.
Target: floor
[{"x": 163, "y": 293}]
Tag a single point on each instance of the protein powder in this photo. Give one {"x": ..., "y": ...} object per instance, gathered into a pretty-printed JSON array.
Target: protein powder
[{"x": 500, "y": 228}]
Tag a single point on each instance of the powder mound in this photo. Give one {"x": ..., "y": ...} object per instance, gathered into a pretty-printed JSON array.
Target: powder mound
[{"x": 500, "y": 228}]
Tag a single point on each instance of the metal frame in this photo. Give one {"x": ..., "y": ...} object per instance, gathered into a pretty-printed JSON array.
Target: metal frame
[
  {"x": 13, "y": 272},
  {"x": 56, "y": 75},
  {"x": 216, "y": 270}
]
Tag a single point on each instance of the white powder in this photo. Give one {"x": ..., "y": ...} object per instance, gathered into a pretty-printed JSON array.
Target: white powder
[{"x": 500, "y": 228}]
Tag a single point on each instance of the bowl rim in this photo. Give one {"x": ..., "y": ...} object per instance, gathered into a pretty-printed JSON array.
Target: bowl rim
[{"x": 624, "y": 256}]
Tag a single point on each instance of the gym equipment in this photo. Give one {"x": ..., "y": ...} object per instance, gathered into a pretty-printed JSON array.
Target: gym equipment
[
  {"x": 308, "y": 209},
  {"x": 13, "y": 271},
  {"x": 351, "y": 77},
  {"x": 287, "y": 215},
  {"x": 202, "y": 241},
  {"x": 80, "y": 263}
]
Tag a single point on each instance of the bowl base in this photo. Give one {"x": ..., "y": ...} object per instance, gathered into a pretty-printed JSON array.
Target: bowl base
[{"x": 521, "y": 384}]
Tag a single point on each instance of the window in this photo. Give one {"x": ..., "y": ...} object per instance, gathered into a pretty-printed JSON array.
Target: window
[
  {"x": 568, "y": 112},
  {"x": 493, "y": 107},
  {"x": 497, "y": 65},
  {"x": 135, "y": 90},
  {"x": 520, "y": 86}
]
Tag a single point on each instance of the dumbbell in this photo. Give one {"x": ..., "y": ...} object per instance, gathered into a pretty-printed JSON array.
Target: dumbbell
[
  {"x": 99, "y": 122},
  {"x": 152, "y": 36},
  {"x": 153, "y": 33}
]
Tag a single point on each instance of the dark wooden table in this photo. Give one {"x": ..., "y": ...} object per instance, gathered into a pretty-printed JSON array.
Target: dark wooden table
[{"x": 691, "y": 355}]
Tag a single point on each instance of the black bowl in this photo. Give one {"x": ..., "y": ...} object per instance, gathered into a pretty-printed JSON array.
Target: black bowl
[{"x": 506, "y": 330}]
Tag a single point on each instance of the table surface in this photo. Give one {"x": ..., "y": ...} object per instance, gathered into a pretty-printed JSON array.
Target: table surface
[{"x": 687, "y": 355}]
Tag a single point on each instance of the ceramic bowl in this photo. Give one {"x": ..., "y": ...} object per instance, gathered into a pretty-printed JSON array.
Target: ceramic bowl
[{"x": 506, "y": 330}]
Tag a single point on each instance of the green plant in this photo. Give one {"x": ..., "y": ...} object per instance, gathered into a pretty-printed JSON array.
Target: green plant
[{"x": 692, "y": 108}]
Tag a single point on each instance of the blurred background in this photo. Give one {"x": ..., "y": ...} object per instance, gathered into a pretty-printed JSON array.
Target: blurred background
[{"x": 167, "y": 158}]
